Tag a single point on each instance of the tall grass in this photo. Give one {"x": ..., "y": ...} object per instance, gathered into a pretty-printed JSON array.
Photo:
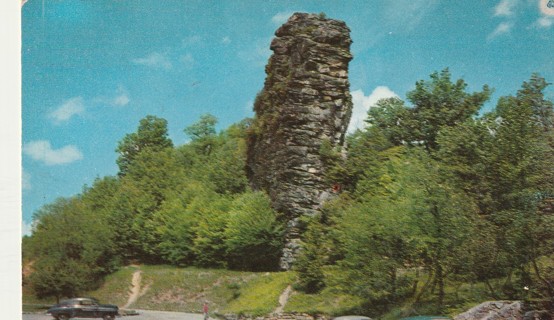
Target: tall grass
[
  {"x": 326, "y": 302},
  {"x": 116, "y": 287},
  {"x": 261, "y": 295}
]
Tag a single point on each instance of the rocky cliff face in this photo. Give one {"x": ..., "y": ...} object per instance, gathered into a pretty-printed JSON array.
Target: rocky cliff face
[
  {"x": 503, "y": 310},
  {"x": 494, "y": 310},
  {"x": 305, "y": 103}
]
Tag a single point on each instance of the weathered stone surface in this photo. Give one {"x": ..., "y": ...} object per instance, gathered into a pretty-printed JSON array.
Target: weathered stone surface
[
  {"x": 539, "y": 315},
  {"x": 305, "y": 101},
  {"x": 494, "y": 310}
]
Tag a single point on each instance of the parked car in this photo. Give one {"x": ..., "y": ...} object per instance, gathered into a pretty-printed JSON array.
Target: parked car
[
  {"x": 83, "y": 308},
  {"x": 352, "y": 318}
]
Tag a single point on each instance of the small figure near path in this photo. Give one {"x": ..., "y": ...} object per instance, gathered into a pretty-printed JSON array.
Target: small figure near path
[{"x": 205, "y": 310}]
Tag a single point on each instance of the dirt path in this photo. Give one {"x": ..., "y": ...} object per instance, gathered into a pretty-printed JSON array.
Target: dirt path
[
  {"x": 136, "y": 290},
  {"x": 283, "y": 299}
]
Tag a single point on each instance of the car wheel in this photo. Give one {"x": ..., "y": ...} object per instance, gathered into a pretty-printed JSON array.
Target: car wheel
[
  {"x": 63, "y": 317},
  {"x": 109, "y": 317}
]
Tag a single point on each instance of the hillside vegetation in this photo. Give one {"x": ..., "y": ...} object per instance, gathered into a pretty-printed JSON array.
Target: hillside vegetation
[
  {"x": 186, "y": 289},
  {"x": 239, "y": 292},
  {"x": 442, "y": 204}
]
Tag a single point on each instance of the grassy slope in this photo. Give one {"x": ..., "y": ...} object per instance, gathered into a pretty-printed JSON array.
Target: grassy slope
[
  {"x": 179, "y": 289},
  {"x": 186, "y": 289}
]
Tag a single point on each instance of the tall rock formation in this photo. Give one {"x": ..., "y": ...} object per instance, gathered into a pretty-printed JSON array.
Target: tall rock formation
[{"x": 305, "y": 103}]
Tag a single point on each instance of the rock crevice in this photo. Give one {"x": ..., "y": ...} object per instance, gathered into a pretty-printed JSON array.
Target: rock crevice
[{"x": 305, "y": 103}]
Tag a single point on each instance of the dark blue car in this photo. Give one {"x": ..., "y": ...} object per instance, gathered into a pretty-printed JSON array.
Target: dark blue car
[{"x": 83, "y": 308}]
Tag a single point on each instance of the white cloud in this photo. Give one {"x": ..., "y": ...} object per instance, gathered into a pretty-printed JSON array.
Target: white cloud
[
  {"x": 41, "y": 150},
  {"x": 226, "y": 40},
  {"x": 281, "y": 17},
  {"x": 25, "y": 180},
  {"x": 362, "y": 103},
  {"x": 187, "y": 60},
  {"x": 155, "y": 60},
  {"x": 68, "y": 109},
  {"x": 502, "y": 28},
  {"x": 545, "y": 22},
  {"x": 26, "y": 228},
  {"x": 505, "y": 8},
  {"x": 121, "y": 100}
]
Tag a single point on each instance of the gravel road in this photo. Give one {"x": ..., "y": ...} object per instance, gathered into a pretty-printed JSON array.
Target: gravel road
[{"x": 142, "y": 315}]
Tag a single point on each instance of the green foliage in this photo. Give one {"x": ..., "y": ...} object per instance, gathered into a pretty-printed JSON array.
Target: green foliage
[
  {"x": 218, "y": 160},
  {"x": 409, "y": 212},
  {"x": 312, "y": 258},
  {"x": 143, "y": 190},
  {"x": 167, "y": 205},
  {"x": 253, "y": 236},
  {"x": 505, "y": 162},
  {"x": 440, "y": 206},
  {"x": 440, "y": 103},
  {"x": 203, "y": 134},
  {"x": 115, "y": 287},
  {"x": 205, "y": 127},
  {"x": 524, "y": 179},
  {"x": 209, "y": 241},
  {"x": 186, "y": 289},
  {"x": 261, "y": 295},
  {"x": 151, "y": 134},
  {"x": 327, "y": 302},
  {"x": 437, "y": 104},
  {"x": 362, "y": 171},
  {"x": 225, "y": 167},
  {"x": 72, "y": 249},
  {"x": 175, "y": 222},
  {"x": 393, "y": 119},
  {"x": 60, "y": 278}
]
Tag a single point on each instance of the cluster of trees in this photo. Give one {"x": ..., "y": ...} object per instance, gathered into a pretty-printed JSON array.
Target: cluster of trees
[
  {"x": 436, "y": 190},
  {"x": 439, "y": 191},
  {"x": 186, "y": 205}
]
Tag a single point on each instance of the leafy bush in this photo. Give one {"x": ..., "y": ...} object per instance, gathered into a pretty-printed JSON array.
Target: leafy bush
[{"x": 254, "y": 237}]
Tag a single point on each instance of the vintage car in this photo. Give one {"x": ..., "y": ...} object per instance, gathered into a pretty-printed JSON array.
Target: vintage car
[{"x": 83, "y": 308}]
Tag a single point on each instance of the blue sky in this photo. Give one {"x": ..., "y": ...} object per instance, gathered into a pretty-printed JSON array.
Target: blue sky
[{"x": 92, "y": 69}]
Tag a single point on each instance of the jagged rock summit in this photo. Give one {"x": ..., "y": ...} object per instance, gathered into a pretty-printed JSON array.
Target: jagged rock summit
[{"x": 305, "y": 103}]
